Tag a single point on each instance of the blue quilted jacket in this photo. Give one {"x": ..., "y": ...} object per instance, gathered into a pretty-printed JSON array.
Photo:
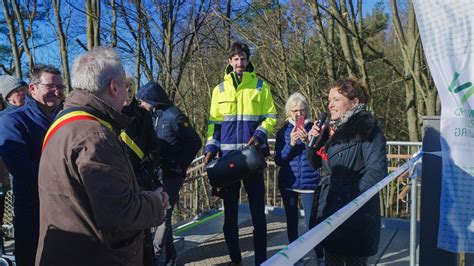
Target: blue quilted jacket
[{"x": 295, "y": 171}]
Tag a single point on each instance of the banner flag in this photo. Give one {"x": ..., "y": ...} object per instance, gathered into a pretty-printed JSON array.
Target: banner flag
[{"x": 447, "y": 34}]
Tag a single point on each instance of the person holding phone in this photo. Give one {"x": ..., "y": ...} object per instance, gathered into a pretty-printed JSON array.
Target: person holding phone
[{"x": 296, "y": 178}]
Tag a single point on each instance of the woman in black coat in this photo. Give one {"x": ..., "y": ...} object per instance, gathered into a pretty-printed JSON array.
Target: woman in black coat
[
  {"x": 351, "y": 151},
  {"x": 145, "y": 159}
]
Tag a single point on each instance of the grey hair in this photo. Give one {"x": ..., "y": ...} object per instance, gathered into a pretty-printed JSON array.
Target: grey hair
[
  {"x": 94, "y": 70},
  {"x": 294, "y": 100}
]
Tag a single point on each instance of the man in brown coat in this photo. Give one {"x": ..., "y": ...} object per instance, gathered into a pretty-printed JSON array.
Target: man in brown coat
[{"x": 92, "y": 211}]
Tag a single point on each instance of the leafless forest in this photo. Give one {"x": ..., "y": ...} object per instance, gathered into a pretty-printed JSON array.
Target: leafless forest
[{"x": 297, "y": 45}]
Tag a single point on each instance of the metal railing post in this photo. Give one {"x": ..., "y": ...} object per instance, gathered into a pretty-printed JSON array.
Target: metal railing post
[{"x": 413, "y": 219}]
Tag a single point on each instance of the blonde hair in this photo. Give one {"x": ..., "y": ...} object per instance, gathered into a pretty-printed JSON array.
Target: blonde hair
[{"x": 296, "y": 99}]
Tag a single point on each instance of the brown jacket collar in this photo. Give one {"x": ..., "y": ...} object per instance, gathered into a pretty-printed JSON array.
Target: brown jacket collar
[{"x": 83, "y": 98}]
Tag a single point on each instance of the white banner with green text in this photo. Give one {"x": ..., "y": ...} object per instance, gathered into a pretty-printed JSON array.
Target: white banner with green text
[{"x": 447, "y": 34}]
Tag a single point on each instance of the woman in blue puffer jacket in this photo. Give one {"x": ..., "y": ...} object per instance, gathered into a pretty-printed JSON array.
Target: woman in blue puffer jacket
[{"x": 296, "y": 177}]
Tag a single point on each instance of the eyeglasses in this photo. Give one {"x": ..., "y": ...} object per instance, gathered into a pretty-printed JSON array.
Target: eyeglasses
[
  {"x": 53, "y": 86},
  {"x": 298, "y": 110}
]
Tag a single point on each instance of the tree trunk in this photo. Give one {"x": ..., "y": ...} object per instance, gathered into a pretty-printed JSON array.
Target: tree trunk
[
  {"x": 23, "y": 35},
  {"x": 93, "y": 23},
  {"x": 282, "y": 53},
  {"x": 227, "y": 25},
  {"x": 168, "y": 42},
  {"x": 356, "y": 28},
  {"x": 327, "y": 50},
  {"x": 63, "y": 49},
  {"x": 114, "y": 24},
  {"x": 147, "y": 67},
  {"x": 343, "y": 37},
  {"x": 412, "y": 118},
  {"x": 96, "y": 22},
  {"x": 196, "y": 19},
  {"x": 13, "y": 41},
  {"x": 138, "y": 44},
  {"x": 90, "y": 25},
  {"x": 409, "y": 46}
]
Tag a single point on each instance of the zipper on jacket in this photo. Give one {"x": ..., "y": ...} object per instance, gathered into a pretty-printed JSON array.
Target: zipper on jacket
[{"x": 299, "y": 169}]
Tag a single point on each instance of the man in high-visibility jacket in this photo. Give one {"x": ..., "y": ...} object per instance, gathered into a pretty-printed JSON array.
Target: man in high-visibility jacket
[{"x": 242, "y": 113}]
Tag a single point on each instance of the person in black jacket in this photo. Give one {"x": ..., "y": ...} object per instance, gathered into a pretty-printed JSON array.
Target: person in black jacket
[
  {"x": 179, "y": 144},
  {"x": 351, "y": 151},
  {"x": 141, "y": 131},
  {"x": 142, "y": 149}
]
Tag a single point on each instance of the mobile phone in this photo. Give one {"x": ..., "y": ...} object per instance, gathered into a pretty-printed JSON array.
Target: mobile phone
[{"x": 300, "y": 121}]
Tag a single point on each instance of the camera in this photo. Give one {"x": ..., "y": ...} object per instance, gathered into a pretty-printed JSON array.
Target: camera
[
  {"x": 148, "y": 173},
  {"x": 148, "y": 180}
]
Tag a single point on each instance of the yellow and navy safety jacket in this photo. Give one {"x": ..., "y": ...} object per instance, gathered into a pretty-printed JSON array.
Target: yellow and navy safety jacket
[{"x": 239, "y": 111}]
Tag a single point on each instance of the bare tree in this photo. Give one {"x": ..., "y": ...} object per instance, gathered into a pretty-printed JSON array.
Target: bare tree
[
  {"x": 24, "y": 33},
  {"x": 417, "y": 83},
  {"x": 226, "y": 21},
  {"x": 136, "y": 21},
  {"x": 326, "y": 37},
  {"x": 343, "y": 36},
  {"x": 113, "y": 30},
  {"x": 172, "y": 38},
  {"x": 168, "y": 19},
  {"x": 138, "y": 42},
  {"x": 13, "y": 40},
  {"x": 93, "y": 23},
  {"x": 296, "y": 45},
  {"x": 63, "y": 47},
  {"x": 227, "y": 25}
]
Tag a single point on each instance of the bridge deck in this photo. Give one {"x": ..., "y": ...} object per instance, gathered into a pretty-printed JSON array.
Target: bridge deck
[{"x": 203, "y": 244}]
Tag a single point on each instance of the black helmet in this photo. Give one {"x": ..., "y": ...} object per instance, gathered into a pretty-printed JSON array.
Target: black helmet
[{"x": 235, "y": 166}]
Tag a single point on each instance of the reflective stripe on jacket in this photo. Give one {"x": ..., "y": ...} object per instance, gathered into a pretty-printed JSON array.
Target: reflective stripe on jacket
[{"x": 239, "y": 112}]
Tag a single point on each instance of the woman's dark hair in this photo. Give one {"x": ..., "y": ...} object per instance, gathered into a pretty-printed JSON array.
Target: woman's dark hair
[
  {"x": 352, "y": 88},
  {"x": 237, "y": 48}
]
